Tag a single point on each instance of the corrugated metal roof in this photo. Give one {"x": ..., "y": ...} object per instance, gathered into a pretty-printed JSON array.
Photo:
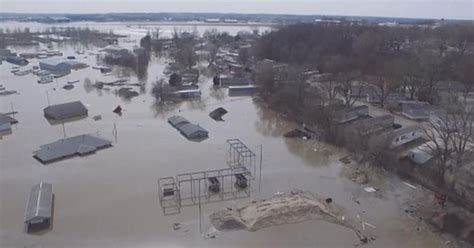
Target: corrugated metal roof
[
  {"x": 77, "y": 145},
  {"x": 65, "y": 111},
  {"x": 40, "y": 203}
]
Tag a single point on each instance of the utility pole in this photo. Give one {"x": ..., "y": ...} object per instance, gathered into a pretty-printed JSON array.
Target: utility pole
[
  {"x": 64, "y": 130},
  {"x": 200, "y": 210},
  {"x": 260, "y": 169},
  {"x": 13, "y": 111},
  {"x": 47, "y": 96}
]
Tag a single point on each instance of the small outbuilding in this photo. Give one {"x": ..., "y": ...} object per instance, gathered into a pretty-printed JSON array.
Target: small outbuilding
[
  {"x": 39, "y": 208},
  {"x": 65, "y": 111}
]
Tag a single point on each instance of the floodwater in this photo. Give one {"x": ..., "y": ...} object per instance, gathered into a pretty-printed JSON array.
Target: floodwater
[{"x": 110, "y": 199}]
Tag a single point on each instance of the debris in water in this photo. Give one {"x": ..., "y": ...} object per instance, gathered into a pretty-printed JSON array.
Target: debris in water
[
  {"x": 97, "y": 117},
  {"x": 297, "y": 133},
  {"x": 345, "y": 160},
  {"x": 68, "y": 87},
  {"x": 127, "y": 93},
  {"x": 176, "y": 226},
  {"x": 370, "y": 189},
  {"x": 118, "y": 110},
  {"x": 212, "y": 233},
  {"x": 409, "y": 185},
  {"x": 368, "y": 224}
]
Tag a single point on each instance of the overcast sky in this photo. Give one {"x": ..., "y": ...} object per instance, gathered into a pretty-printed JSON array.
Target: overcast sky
[{"x": 452, "y": 9}]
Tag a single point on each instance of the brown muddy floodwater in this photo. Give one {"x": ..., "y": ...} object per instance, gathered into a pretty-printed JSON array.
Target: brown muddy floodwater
[{"x": 110, "y": 199}]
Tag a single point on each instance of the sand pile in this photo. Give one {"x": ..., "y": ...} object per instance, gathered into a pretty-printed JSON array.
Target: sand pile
[{"x": 289, "y": 208}]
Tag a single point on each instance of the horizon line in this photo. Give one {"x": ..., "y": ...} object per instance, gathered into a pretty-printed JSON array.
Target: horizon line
[{"x": 237, "y": 13}]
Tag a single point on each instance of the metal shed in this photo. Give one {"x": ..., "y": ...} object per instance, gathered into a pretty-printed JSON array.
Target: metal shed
[
  {"x": 39, "y": 209},
  {"x": 65, "y": 111},
  {"x": 78, "y": 145},
  {"x": 193, "y": 131}
]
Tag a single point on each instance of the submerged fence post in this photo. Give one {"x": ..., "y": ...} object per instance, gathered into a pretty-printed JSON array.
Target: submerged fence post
[{"x": 114, "y": 132}]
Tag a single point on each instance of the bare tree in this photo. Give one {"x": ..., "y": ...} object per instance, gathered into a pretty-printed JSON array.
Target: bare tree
[
  {"x": 349, "y": 88},
  {"x": 450, "y": 137},
  {"x": 461, "y": 122}
]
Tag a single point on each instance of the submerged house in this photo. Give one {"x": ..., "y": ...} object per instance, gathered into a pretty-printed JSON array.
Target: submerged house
[
  {"x": 17, "y": 60},
  {"x": 55, "y": 66},
  {"x": 187, "y": 94},
  {"x": 65, "y": 111},
  {"x": 242, "y": 90},
  {"x": 229, "y": 80},
  {"x": 350, "y": 114},
  {"x": 39, "y": 208},
  {"x": 6, "y": 122},
  {"x": 189, "y": 130},
  {"x": 193, "y": 131},
  {"x": 80, "y": 145}
]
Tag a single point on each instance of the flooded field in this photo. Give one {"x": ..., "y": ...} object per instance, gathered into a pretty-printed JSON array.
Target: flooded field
[{"x": 110, "y": 199}]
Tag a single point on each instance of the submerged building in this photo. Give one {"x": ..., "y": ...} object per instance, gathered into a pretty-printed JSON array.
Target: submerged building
[
  {"x": 189, "y": 130},
  {"x": 65, "y": 111},
  {"x": 6, "y": 122},
  {"x": 39, "y": 208},
  {"x": 80, "y": 145}
]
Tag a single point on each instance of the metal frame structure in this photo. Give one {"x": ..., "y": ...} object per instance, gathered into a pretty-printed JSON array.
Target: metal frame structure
[
  {"x": 197, "y": 185},
  {"x": 239, "y": 155},
  {"x": 188, "y": 189},
  {"x": 171, "y": 204}
]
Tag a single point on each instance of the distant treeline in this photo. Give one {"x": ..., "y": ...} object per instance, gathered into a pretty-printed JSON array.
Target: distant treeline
[{"x": 408, "y": 57}]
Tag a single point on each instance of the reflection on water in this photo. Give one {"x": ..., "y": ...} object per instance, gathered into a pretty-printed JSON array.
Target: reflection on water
[{"x": 270, "y": 123}]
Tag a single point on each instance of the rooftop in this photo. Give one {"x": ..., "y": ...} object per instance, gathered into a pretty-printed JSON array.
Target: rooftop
[{"x": 78, "y": 145}]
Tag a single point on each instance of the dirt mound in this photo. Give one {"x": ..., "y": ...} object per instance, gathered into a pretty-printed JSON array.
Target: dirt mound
[{"x": 290, "y": 208}]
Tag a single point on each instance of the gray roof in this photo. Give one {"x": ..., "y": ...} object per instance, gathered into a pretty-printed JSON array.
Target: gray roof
[
  {"x": 405, "y": 130},
  {"x": 65, "y": 111},
  {"x": 192, "y": 131},
  {"x": 40, "y": 203},
  {"x": 63, "y": 148},
  {"x": 177, "y": 120},
  {"x": 7, "y": 119}
]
